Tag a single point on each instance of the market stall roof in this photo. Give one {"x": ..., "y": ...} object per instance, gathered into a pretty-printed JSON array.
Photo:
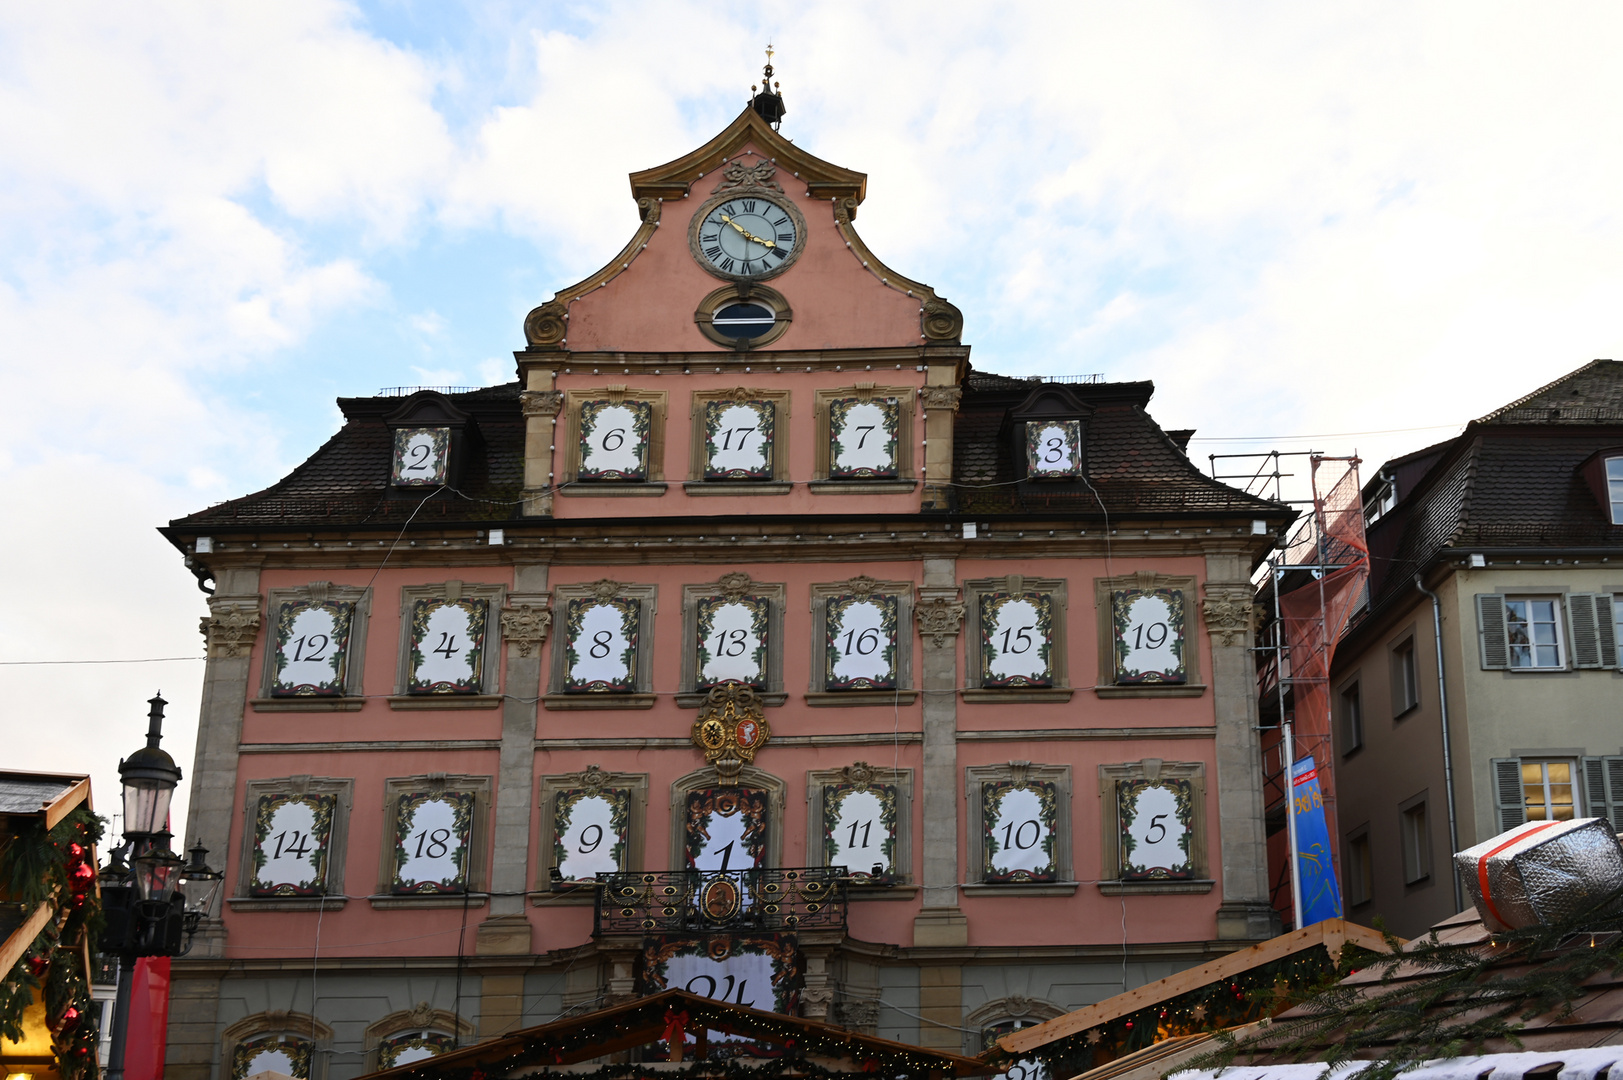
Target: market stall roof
[
  {"x": 553, "y": 1048},
  {"x": 1332, "y": 934},
  {"x": 1595, "y": 1063},
  {"x": 1594, "y": 1019},
  {"x": 25, "y": 796}
]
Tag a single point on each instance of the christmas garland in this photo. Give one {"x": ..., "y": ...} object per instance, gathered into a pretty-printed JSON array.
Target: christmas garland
[
  {"x": 56, "y": 868},
  {"x": 1263, "y": 991},
  {"x": 1471, "y": 992}
]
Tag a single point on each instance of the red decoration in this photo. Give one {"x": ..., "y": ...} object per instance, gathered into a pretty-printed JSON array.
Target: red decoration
[
  {"x": 37, "y": 964},
  {"x": 81, "y": 877},
  {"x": 70, "y": 1016}
]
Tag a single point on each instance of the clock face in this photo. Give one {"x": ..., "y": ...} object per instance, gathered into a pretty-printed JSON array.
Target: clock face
[{"x": 746, "y": 237}]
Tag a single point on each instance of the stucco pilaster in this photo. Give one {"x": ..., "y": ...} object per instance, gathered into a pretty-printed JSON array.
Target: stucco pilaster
[
  {"x": 540, "y": 404},
  {"x": 940, "y": 615},
  {"x": 525, "y": 622},
  {"x": 1227, "y": 609},
  {"x": 229, "y": 629}
]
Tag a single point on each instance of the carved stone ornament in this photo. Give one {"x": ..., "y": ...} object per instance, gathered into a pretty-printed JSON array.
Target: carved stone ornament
[
  {"x": 1019, "y": 773},
  {"x": 862, "y": 585},
  {"x": 1230, "y": 612},
  {"x": 547, "y": 324},
  {"x": 734, "y": 585},
  {"x": 941, "y": 397},
  {"x": 759, "y": 176},
  {"x": 605, "y": 589},
  {"x": 859, "y": 775},
  {"x": 942, "y": 321},
  {"x": 525, "y": 626},
  {"x": 1018, "y": 1007},
  {"x": 422, "y": 1015},
  {"x": 592, "y": 778},
  {"x": 230, "y": 629},
  {"x": 857, "y": 1014},
  {"x": 940, "y": 618},
  {"x": 730, "y": 728},
  {"x": 541, "y": 402}
]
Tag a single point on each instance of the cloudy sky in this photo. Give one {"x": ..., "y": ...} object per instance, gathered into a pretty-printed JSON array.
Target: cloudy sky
[{"x": 1326, "y": 226}]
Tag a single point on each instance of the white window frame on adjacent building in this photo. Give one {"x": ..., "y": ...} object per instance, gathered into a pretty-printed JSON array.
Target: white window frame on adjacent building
[
  {"x": 1414, "y": 838},
  {"x": 1585, "y": 625},
  {"x": 1597, "y": 787},
  {"x": 1614, "y": 488}
]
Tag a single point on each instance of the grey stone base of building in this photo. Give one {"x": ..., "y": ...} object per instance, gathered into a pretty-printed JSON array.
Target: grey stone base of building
[{"x": 946, "y": 996}]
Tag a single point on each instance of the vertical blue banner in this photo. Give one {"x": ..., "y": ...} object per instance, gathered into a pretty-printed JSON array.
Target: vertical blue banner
[{"x": 1321, "y": 897}]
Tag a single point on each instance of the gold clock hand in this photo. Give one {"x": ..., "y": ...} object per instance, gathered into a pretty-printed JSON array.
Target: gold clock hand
[{"x": 746, "y": 234}]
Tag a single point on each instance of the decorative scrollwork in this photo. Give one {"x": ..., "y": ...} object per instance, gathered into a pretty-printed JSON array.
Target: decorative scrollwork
[
  {"x": 731, "y": 727},
  {"x": 547, "y": 324},
  {"x": 1230, "y": 612},
  {"x": 541, "y": 402},
  {"x": 525, "y": 626},
  {"x": 942, "y": 320},
  {"x": 230, "y": 628},
  {"x": 759, "y": 176},
  {"x": 941, "y": 397},
  {"x": 940, "y": 618}
]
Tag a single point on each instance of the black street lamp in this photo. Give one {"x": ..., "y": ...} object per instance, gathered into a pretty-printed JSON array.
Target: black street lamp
[{"x": 147, "y": 911}]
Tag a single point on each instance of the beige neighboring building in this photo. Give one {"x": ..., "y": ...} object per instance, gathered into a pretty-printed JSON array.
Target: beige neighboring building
[{"x": 1516, "y": 526}]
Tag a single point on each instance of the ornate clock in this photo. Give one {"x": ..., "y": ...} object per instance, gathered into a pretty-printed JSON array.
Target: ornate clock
[{"x": 748, "y": 230}]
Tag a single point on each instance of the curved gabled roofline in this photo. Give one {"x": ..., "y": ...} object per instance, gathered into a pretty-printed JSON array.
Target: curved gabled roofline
[{"x": 823, "y": 179}]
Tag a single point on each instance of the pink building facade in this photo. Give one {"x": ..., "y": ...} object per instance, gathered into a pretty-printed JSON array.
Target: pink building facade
[{"x": 751, "y": 642}]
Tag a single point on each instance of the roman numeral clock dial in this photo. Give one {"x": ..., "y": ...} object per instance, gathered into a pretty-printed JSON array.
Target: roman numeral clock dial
[{"x": 746, "y": 237}]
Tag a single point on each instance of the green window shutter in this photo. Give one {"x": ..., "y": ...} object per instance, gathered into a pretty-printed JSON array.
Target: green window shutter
[
  {"x": 1603, "y": 789},
  {"x": 1490, "y": 626},
  {"x": 1606, "y": 629},
  {"x": 1507, "y": 793},
  {"x": 1581, "y": 618}
]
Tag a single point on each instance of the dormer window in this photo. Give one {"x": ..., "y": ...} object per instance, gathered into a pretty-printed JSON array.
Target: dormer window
[
  {"x": 426, "y": 434},
  {"x": 1050, "y": 435},
  {"x": 1614, "y": 488}
]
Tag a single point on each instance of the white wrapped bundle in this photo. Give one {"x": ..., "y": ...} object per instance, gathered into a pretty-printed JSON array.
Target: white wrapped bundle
[{"x": 1542, "y": 872}]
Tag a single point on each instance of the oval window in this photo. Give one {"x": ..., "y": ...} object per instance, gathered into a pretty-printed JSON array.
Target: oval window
[{"x": 743, "y": 320}]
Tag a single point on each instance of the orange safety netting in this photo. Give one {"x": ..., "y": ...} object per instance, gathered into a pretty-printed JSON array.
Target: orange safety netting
[{"x": 1315, "y": 615}]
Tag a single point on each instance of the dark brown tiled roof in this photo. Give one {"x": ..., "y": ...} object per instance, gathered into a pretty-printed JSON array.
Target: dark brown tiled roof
[
  {"x": 1591, "y": 395},
  {"x": 1134, "y": 467}
]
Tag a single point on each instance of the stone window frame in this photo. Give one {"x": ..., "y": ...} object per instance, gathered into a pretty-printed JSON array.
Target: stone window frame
[
  {"x": 489, "y": 696},
  {"x": 750, "y": 776},
  {"x": 901, "y": 884},
  {"x": 1105, "y": 685},
  {"x": 1110, "y": 882},
  {"x": 353, "y": 696},
  {"x": 1058, "y": 667},
  {"x": 424, "y": 1017},
  {"x": 1004, "y": 1010},
  {"x": 822, "y": 440},
  {"x": 477, "y": 874},
  {"x": 569, "y": 482},
  {"x": 975, "y": 779},
  {"x": 274, "y": 1022},
  {"x": 643, "y": 696},
  {"x": 734, "y": 584},
  {"x": 905, "y": 693},
  {"x": 780, "y": 484},
  {"x": 337, "y": 842},
  {"x": 546, "y": 891},
  {"x": 1414, "y": 843}
]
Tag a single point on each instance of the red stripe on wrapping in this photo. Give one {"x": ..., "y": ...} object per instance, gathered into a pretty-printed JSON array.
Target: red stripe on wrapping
[{"x": 1482, "y": 867}]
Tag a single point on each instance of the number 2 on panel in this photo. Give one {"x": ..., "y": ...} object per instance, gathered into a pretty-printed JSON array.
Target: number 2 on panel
[{"x": 419, "y": 458}]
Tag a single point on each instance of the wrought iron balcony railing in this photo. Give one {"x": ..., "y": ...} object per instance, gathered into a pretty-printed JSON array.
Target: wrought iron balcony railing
[{"x": 695, "y": 901}]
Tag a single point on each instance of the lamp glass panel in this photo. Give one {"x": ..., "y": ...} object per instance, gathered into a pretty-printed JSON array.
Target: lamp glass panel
[
  {"x": 155, "y": 875},
  {"x": 146, "y": 806}
]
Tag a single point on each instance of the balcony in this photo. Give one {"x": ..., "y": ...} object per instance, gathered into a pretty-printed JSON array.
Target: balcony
[{"x": 729, "y": 901}]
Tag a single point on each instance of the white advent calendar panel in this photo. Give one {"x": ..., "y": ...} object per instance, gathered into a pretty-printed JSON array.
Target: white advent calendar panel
[
  {"x": 312, "y": 646},
  {"x": 732, "y": 640},
  {"x": 738, "y": 440},
  {"x": 860, "y": 647},
  {"x": 591, "y": 830},
  {"x": 600, "y": 645},
  {"x": 863, "y": 438},
  {"x": 1156, "y": 821},
  {"x": 1019, "y": 823},
  {"x": 859, "y": 829},
  {"x": 290, "y": 844},
  {"x": 614, "y": 440},
  {"x": 1017, "y": 636},
  {"x": 1148, "y": 627},
  {"x": 421, "y": 456},
  {"x": 1053, "y": 448},
  {"x": 447, "y": 646},
  {"x": 431, "y": 841}
]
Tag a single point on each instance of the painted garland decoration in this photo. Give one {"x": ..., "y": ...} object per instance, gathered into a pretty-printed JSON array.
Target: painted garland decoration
[
  {"x": 56, "y": 868},
  {"x": 477, "y": 612},
  {"x": 992, "y": 796},
  {"x": 406, "y": 830},
  {"x": 705, "y": 611},
  {"x": 435, "y": 1042},
  {"x": 835, "y": 648},
  {"x": 833, "y": 796},
  {"x": 1122, "y": 621},
  {"x": 838, "y": 411},
  {"x": 642, "y": 415},
  {"x": 297, "y": 1051},
  {"x": 725, "y": 802},
  {"x": 619, "y": 800},
  {"x": 315, "y": 843},
  {"x": 714, "y": 414},
  {"x": 575, "y": 620},
  {"x": 991, "y": 604},
  {"x": 1127, "y": 794},
  {"x": 334, "y": 653}
]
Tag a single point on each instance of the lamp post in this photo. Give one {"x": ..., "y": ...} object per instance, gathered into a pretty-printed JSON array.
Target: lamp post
[{"x": 147, "y": 911}]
